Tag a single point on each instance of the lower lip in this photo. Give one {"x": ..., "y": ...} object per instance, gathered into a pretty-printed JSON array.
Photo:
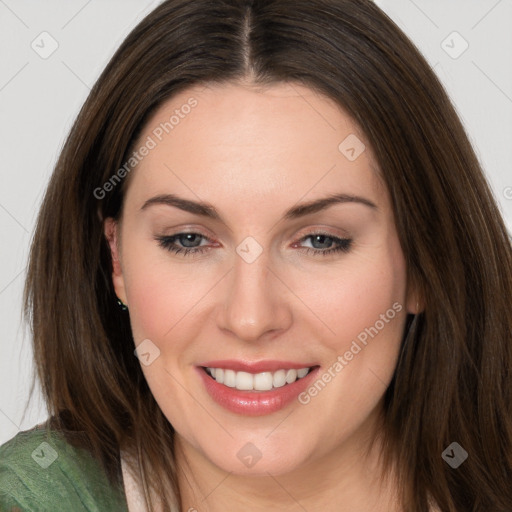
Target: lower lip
[{"x": 255, "y": 403}]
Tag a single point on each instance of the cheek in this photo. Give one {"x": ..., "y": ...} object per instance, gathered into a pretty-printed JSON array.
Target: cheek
[
  {"x": 165, "y": 296},
  {"x": 365, "y": 307},
  {"x": 149, "y": 300},
  {"x": 346, "y": 299},
  {"x": 359, "y": 297},
  {"x": 165, "y": 300}
]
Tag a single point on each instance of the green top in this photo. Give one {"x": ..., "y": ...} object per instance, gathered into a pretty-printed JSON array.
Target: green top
[{"x": 41, "y": 472}]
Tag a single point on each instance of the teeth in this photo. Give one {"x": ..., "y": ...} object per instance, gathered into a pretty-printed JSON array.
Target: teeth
[
  {"x": 229, "y": 378},
  {"x": 291, "y": 376},
  {"x": 244, "y": 381},
  {"x": 219, "y": 375},
  {"x": 302, "y": 372},
  {"x": 279, "y": 379},
  {"x": 264, "y": 381}
]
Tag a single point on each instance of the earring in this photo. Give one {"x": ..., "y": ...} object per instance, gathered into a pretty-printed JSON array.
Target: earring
[{"x": 122, "y": 305}]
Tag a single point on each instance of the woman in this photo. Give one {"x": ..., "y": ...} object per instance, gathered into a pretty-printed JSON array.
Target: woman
[{"x": 275, "y": 205}]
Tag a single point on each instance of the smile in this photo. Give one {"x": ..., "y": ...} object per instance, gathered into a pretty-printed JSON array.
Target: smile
[
  {"x": 264, "y": 381},
  {"x": 255, "y": 389}
]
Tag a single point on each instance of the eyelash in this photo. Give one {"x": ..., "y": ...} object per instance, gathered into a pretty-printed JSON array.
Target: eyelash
[{"x": 168, "y": 243}]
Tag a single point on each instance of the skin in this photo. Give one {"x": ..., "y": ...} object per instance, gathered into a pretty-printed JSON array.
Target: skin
[{"x": 253, "y": 153}]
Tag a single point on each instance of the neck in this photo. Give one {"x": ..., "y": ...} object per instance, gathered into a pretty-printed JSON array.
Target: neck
[{"x": 343, "y": 480}]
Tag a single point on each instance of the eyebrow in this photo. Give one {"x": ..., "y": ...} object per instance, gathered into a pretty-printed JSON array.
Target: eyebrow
[{"x": 207, "y": 210}]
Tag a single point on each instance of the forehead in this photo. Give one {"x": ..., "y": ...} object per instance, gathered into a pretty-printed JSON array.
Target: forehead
[{"x": 253, "y": 143}]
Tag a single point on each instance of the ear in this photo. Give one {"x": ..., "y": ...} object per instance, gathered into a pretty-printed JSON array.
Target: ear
[
  {"x": 415, "y": 302},
  {"x": 111, "y": 230}
]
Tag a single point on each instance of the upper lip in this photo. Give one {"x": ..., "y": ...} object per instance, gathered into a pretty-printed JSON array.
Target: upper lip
[{"x": 255, "y": 366}]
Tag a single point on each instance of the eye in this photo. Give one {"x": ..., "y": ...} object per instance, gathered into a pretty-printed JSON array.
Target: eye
[
  {"x": 323, "y": 239},
  {"x": 188, "y": 243}
]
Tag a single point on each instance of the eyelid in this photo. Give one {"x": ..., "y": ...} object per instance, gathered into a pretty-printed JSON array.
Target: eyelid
[
  {"x": 168, "y": 232},
  {"x": 326, "y": 231},
  {"x": 304, "y": 233},
  {"x": 342, "y": 243}
]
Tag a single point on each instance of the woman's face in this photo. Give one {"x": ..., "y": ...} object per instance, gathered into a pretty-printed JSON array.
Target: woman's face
[{"x": 281, "y": 280}]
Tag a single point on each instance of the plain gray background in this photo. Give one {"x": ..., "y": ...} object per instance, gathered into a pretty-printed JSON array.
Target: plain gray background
[{"x": 40, "y": 95}]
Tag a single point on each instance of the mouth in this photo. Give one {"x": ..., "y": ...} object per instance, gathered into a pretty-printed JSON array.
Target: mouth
[
  {"x": 255, "y": 389},
  {"x": 263, "y": 381}
]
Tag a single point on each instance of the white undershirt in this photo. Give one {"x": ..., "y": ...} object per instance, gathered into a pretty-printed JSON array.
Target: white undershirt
[{"x": 133, "y": 491}]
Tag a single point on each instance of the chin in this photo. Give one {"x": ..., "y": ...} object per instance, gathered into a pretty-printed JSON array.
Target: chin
[{"x": 257, "y": 456}]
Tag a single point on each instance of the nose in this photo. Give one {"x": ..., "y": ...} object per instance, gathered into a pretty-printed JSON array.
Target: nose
[{"x": 256, "y": 304}]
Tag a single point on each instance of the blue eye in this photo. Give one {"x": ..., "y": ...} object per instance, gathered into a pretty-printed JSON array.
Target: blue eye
[
  {"x": 341, "y": 244},
  {"x": 189, "y": 243},
  {"x": 187, "y": 240}
]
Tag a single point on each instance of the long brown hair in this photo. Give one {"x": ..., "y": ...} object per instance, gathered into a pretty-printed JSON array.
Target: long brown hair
[{"x": 452, "y": 382}]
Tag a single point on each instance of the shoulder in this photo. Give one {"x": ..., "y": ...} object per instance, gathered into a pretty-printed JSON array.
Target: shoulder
[{"x": 40, "y": 470}]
